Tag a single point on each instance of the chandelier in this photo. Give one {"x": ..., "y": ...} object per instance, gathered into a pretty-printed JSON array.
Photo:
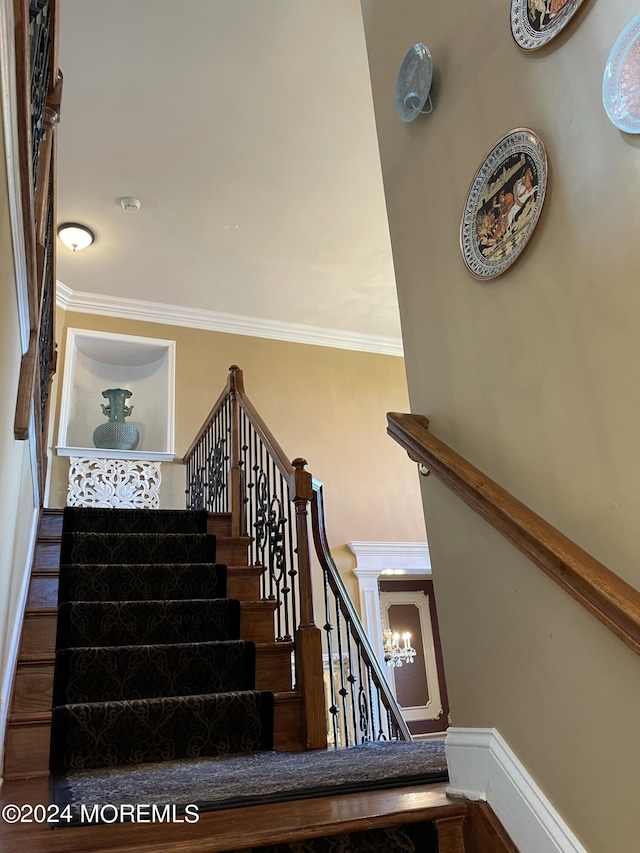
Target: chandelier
[{"x": 394, "y": 653}]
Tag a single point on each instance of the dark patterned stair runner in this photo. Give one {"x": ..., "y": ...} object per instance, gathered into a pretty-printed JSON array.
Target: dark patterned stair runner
[
  {"x": 122, "y": 623},
  {"x": 113, "y": 673},
  {"x": 149, "y": 664},
  {"x": 138, "y": 731},
  {"x": 140, "y": 582}
]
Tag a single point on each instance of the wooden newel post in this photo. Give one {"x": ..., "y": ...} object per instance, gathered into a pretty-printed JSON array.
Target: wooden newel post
[
  {"x": 309, "y": 668},
  {"x": 237, "y": 505}
]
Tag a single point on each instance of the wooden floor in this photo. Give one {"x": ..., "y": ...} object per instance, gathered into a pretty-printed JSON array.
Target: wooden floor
[{"x": 231, "y": 829}]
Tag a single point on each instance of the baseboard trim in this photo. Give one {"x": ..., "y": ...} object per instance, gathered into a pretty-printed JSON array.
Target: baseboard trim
[
  {"x": 483, "y": 767},
  {"x": 12, "y": 657}
]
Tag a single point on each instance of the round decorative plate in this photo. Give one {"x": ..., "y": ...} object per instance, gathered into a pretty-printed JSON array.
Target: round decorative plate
[
  {"x": 504, "y": 203},
  {"x": 414, "y": 82},
  {"x": 535, "y": 22},
  {"x": 621, "y": 82}
]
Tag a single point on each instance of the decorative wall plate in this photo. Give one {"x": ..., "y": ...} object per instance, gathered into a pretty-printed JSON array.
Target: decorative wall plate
[
  {"x": 504, "y": 203},
  {"x": 621, "y": 82},
  {"x": 414, "y": 82},
  {"x": 535, "y": 22}
]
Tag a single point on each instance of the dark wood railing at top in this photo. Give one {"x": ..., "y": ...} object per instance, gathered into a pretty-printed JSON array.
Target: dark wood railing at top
[
  {"x": 609, "y": 598},
  {"x": 39, "y": 92},
  {"x": 236, "y": 465}
]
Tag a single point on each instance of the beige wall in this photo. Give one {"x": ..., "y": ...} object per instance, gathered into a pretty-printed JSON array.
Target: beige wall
[
  {"x": 327, "y": 405},
  {"x": 533, "y": 377},
  {"x": 16, "y": 487}
]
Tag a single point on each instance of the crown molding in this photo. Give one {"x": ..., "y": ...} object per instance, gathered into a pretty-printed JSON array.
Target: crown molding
[
  {"x": 218, "y": 321},
  {"x": 377, "y": 558}
]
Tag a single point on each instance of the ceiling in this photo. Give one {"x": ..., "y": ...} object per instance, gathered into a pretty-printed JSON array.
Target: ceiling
[{"x": 246, "y": 129}]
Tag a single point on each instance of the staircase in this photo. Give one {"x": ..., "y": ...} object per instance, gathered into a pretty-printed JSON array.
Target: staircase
[
  {"x": 29, "y": 727},
  {"x": 95, "y": 671},
  {"x": 267, "y": 518}
]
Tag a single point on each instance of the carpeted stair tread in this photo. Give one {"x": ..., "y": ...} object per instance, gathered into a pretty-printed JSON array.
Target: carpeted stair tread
[
  {"x": 263, "y": 777},
  {"x": 114, "y": 673},
  {"x": 137, "y": 548},
  {"x": 123, "y": 623},
  {"x": 141, "y": 582},
  {"x": 97, "y": 520},
  {"x": 149, "y": 664},
  {"x": 109, "y": 734}
]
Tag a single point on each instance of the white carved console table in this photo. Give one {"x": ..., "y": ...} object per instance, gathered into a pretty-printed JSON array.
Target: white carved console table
[{"x": 122, "y": 483}]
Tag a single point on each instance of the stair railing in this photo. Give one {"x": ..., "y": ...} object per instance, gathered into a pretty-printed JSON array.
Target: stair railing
[
  {"x": 604, "y": 594},
  {"x": 235, "y": 465},
  {"x": 360, "y": 703},
  {"x": 39, "y": 92}
]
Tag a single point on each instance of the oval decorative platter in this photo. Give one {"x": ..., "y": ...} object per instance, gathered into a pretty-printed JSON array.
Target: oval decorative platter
[
  {"x": 536, "y": 22},
  {"x": 504, "y": 203},
  {"x": 621, "y": 81},
  {"x": 414, "y": 82}
]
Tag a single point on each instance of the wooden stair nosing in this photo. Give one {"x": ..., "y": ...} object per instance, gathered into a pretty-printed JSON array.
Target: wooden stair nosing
[{"x": 234, "y": 829}]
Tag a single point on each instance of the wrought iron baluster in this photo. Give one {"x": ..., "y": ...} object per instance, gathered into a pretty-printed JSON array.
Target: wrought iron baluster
[
  {"x": 328, "y": 629},
  {"x": 292, "y": 560},
  {"x": 342, "y": 691},
  {"x": 39, "y": 21},
  {"x": 363, "y": 709},
  {"x": 285, "y": 591},
  {"x": 372, "y": 721},
  {"x": 242, "y": 463},
  {"x": 352, "y": 680}
]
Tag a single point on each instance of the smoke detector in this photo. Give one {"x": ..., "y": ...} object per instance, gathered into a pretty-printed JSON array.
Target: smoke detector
[{"x": 130, "y": 203}]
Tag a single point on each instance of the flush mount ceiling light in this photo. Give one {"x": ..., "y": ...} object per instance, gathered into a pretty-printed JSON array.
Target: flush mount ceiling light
[{"x": 75, "y": 236}]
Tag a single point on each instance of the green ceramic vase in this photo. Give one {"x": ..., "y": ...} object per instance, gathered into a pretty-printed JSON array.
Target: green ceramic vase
[{"x": 116, "y": 434}]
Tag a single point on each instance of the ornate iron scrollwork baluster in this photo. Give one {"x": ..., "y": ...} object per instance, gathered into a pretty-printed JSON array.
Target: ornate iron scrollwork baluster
[
  {"x": 216, "y": 475},
  {"x": 39, "y": 21}
]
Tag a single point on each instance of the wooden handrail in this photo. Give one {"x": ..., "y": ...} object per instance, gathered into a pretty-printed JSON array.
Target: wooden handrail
[
  {"x": 209, "y": 419},
  {"x": 603, "y": 593},
  {"x": 235, "y": 387},
  {"x": 38, "y": 93}
]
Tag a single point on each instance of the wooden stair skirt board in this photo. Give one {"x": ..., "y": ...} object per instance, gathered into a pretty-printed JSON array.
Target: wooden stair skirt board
[
  {"x": 28, "y": 736},
  {"x": 463, "y": 827}
]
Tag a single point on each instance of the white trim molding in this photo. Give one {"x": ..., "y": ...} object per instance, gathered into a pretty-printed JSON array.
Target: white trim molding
[
  {"x": 389, "y": 559},
  {"x": 218, "y": 321},
  {"x": 422, "y": 639},
  {"x": 8, "y": 89},
  {"x": 405, "y": 558},
  {"x": 482, "y": 766},
  {"x": 14, "y": 641}
]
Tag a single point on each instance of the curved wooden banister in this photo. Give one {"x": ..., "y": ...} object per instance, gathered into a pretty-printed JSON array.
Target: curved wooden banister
[{"x": 603, "y": 593}]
